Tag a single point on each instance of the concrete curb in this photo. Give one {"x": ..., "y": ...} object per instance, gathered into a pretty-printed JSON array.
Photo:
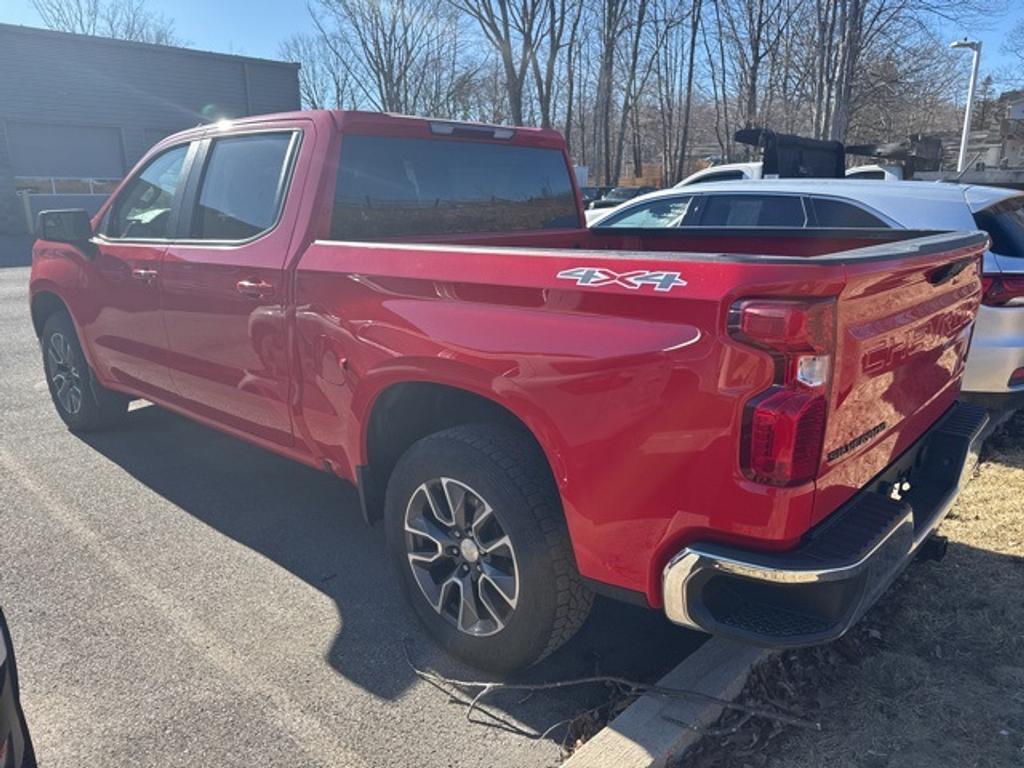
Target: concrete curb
[{"x": 653, "y": 730}]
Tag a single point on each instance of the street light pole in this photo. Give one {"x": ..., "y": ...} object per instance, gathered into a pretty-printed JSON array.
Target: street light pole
[{"x": 974, "y": 45}]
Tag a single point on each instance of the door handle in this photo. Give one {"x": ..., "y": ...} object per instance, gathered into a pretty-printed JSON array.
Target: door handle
[
  {"x": 147, "y": 276},
  {"x": 256, "y": 289}
]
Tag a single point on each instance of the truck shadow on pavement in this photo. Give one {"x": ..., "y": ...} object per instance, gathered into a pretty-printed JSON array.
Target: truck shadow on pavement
[{"x": 309, "y": 523}]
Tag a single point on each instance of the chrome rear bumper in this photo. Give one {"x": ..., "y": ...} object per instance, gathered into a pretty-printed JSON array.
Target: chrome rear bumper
[{"x": 818, "y": 591}]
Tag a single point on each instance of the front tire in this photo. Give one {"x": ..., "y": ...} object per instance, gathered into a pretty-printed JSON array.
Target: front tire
[
  {"x": 475, "y": 528},
  {"x": 81, "y": 401}
]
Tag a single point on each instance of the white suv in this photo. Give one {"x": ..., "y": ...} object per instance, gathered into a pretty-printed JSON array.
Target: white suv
[{"x": 995, "y": 364}]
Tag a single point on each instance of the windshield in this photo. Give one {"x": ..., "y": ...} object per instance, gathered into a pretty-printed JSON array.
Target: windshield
[{"x": 1004, "y": 223}]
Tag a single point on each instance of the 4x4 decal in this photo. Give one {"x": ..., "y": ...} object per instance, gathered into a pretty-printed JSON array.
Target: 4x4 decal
[{"x": 593, "y": 277}]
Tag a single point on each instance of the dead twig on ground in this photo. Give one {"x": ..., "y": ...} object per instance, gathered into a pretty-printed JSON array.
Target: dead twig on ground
[{"x": 627, "y": 687}]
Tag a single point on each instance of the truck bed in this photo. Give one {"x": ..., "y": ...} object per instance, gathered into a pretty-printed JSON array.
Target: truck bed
[{"x": 621, "y": 380}]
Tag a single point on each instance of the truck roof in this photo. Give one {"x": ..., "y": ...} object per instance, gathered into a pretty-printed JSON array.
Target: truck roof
[{"x": 389, "y": 124}]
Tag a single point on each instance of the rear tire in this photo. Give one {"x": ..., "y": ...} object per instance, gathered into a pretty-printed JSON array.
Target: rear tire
[
  {"x": 473, "y": 510},
  {"x": 81, "y": 401}
]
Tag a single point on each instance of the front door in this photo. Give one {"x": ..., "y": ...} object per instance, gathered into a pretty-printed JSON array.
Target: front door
[
  {"x": 124, "y": 327},
  {"x": 224, "y": 290}
]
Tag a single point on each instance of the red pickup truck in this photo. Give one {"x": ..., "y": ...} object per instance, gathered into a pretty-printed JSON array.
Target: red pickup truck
[{"x": 752, "y": 431}]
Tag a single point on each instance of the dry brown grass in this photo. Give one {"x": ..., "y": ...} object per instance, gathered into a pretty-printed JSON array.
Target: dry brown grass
[{"x": 934, "y": 674}]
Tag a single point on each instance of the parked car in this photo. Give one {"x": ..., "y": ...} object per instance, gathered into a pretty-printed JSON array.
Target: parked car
[
  {"x": 995, "y": 367},
  {"x": 619, "y": 195},
  {"x": 15, "y": 744},
  {"x": 755, "y": 170},
  {"x": 710, "y": 424},
  {"x": 590, "y": 194}
]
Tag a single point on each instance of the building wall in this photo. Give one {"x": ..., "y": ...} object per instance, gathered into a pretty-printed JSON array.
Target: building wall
[{"x": 86, "y": 107}]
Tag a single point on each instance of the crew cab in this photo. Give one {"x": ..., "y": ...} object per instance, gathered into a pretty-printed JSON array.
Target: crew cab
[{"x": 750, "y": 430}]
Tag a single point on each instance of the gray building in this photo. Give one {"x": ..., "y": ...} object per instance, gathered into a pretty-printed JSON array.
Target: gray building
[{"x": 76, "y": 112}]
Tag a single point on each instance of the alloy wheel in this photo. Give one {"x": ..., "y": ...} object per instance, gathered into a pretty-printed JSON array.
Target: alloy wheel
[
  {"x": 64, "y": 374},
  {"x": 461, "y": 557}
]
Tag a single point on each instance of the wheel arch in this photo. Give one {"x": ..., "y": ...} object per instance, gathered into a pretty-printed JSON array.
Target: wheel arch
[
  {"x": 44, "y": 303},
  {"x": 406, "y": 411}
]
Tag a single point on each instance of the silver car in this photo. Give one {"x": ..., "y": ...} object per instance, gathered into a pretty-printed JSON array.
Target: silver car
[{"x": 995, "y": 364}]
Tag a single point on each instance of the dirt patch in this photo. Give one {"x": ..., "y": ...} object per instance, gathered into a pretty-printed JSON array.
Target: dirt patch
[{"x": 933, "y": 675}]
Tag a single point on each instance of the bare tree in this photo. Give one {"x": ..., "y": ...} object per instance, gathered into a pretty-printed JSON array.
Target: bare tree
[
  {"x": 1013, "y": 46},
  {"x": 614, "y": 21},
  {"x": 688, "y": 102},
  {"x": 655, "y": 78},
  {"x": 560, "y": 26},
  {"x": 391, "y": 51},
  {"x": 513, "y": 29},
  {"x": 323, "y": 79},
  {"x": 756, "y": 28},
  {"x": 119, "y": 19}
]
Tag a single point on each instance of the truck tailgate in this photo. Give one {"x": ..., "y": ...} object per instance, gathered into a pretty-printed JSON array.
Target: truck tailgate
[{"x": 903, "y": 331}]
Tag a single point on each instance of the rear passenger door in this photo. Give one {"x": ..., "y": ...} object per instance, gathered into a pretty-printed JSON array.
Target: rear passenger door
[{"x": 223, "y": 285}]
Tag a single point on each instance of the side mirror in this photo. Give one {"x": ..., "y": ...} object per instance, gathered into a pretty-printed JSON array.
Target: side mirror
[
  {"x": 71, "y": 226},
  {"x": 66, "y": 226}
]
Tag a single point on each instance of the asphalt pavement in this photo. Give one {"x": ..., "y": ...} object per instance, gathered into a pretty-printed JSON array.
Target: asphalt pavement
[{"x": 180, "y": 598}]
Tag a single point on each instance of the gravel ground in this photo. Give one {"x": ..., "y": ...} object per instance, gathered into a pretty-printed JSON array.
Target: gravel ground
[
  {"x": 178, "y": 597},
  {"x": 934, "y": 674}
]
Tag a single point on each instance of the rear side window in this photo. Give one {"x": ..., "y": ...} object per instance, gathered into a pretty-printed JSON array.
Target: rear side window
[
  {"x": 1004, "y": 223},
  {"x": 143, "y": 209},
  {"x": 396, "y": 187},
  {"x": 837, "y": 214},
  {"x": 753, "y": 211},
  {"x": 242, "y": 186},
  {"x": 656, "y": 214}
]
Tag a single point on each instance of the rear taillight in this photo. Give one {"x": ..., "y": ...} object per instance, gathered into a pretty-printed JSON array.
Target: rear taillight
[
  {"x": 785, "y": 426},
  {"x": 998, "y": 290}
]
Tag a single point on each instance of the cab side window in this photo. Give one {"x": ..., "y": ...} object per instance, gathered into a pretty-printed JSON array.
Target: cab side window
[
  {"x": 143, "y": 209},
  {"x": 242, "y": 186}
]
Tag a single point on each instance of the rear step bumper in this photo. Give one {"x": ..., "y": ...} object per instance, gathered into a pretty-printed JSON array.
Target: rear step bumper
[{"x": 818, "y": 591}]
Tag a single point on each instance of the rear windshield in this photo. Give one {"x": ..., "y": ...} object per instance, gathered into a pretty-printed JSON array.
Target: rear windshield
[
  {"x": 395, "y": 187},
  {"x": 1004, "y": 223}
]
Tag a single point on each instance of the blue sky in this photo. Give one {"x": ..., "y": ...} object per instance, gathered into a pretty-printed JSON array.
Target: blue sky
[
  {"x": 256, "y": 27},
  {"x": 249, "y": 27}
]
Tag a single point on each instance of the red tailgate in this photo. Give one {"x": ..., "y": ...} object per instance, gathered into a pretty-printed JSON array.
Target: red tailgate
[{"x": 903, "y": 330}]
